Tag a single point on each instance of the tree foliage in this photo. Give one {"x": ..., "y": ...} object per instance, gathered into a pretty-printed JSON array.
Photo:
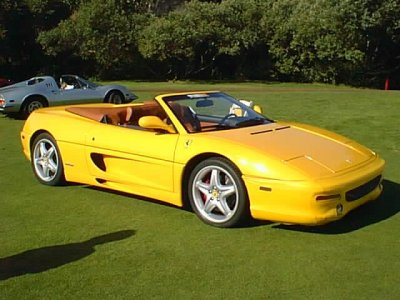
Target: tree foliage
[
  {"x": 200, "y": 36},
  {"x": 100, "y": 32},
  {"x": 354, "y": 42},
  {"x": 333, "y": 41},
  {"x": 14, "y": 38}
]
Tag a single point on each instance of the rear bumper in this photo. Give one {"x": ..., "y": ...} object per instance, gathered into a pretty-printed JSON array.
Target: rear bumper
[
  {"x": 296, "y": 202},
  {"x": 9, "y": 108}
]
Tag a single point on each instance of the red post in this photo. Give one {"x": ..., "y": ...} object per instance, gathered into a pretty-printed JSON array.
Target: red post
[{"x": 387, "y": 87}]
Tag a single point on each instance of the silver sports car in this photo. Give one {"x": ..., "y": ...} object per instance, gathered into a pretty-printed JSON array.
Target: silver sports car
[{"x": 26, "y": 96}]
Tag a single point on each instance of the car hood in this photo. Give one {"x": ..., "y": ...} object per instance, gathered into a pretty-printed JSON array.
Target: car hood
[{"x": 314, "y": 152}]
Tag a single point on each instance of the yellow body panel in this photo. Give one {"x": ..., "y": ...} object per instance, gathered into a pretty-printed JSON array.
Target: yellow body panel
[{"x": 282, "y": 165}]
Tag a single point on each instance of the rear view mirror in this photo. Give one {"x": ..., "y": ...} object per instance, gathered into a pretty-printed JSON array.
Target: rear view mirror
[{"x": 204, "y": 103}]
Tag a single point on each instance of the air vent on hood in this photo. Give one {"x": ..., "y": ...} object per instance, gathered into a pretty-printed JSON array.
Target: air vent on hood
[{"x": 270, "y": 130}]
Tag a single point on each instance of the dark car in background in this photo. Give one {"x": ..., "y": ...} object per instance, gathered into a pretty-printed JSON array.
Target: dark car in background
[{"x": 5, "y": 82}]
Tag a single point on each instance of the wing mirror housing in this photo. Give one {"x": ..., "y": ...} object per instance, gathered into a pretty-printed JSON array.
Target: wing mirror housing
[
  {"x": 258, "y": 109},
  {"x": 155, "y": 123}
]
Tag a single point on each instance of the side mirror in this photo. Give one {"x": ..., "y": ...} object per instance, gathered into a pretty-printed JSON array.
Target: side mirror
[
  {"x": 258, "y": 109},
  {"x": 153, "y": 122}
]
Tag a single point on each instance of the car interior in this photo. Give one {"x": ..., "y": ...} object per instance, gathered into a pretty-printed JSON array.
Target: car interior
[{"x": 144, "y": 116}]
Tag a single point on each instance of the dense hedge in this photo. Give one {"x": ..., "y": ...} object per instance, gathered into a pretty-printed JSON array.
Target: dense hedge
[{"x": 351, "y": 41}]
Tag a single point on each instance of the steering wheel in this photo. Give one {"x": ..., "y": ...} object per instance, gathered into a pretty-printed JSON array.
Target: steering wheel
[{"x": 230, "y": 115}]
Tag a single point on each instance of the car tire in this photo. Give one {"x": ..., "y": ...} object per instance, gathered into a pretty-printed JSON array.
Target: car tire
[
  {"x": 46, "y": 160},
  {"x": 116, "y": 97},
  {"x": 30, "y": 105},
  {"x": 217, "y": 193}
]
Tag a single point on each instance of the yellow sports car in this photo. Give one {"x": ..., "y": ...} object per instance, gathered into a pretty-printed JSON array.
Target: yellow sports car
[{"x": 209, "y": 150}]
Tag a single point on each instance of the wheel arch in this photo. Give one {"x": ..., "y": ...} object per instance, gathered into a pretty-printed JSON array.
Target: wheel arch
[
  {"x": 35, "y": 96},
  {"x": 191, "y": 164},
  {"x": 35, "y": 135}
]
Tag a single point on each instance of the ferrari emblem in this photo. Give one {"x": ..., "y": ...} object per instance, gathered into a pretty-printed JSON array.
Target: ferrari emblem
[
  {"x": 215, "y": 193},
  {"x": 188, "y": 143}
]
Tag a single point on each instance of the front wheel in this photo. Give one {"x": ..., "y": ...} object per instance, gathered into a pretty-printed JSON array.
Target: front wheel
[
  {"x": 217, "y": 193},
  {"x": 46, "y": 160}
]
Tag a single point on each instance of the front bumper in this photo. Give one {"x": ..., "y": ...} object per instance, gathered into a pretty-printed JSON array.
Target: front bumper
[
  {"x": 130, "y": 97},
  {"x": 295, "y": 202},
  {"x": 25, "y": 142}
]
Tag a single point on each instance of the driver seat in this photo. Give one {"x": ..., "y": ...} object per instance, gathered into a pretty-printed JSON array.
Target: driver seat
[{"x": 187, "y": 117}]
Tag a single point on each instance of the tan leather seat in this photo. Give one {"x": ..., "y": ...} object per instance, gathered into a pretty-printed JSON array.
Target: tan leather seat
[{"x": 186, "y": 116}]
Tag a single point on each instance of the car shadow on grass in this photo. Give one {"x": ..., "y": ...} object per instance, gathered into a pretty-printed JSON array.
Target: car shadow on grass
[
  {"x": 386, "y": 206},
  {"x": 45, "y": 258},
  {"x": 133, "y": 196},
  {"x": 14, "y": 116}
]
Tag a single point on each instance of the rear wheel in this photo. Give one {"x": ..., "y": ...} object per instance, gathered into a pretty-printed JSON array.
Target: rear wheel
[
  {"x": 115, "y": 98},
  {"x": 46, "y": 160},
  {"x": 30, "y": 105},
  {"x": 217, "y": 193}
]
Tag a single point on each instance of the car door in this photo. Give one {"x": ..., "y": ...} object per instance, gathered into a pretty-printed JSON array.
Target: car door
[
  {"x": 73, "y": 90},
  {"x": 77, "y": 95},
  {"x": 131, "y": 157}
]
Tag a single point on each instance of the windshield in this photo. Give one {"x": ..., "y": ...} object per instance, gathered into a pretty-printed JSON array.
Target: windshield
[
  {"x": 88, "y": 83},
  {"x": 75, "y": 82},
  {"x": 213, "y": 111}
]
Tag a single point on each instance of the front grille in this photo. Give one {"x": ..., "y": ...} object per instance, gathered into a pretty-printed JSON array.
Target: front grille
[{"x": 363, "y": 190}]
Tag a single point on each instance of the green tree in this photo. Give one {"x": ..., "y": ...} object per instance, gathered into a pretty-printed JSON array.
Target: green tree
[
  {"x": 311, "y": 41},
  {"x": 48, "y": 13},
  {"x": 17, "y": 45},
  {"x": 380, "y": 29},
  {"x": 333, "y": 41},
  {"x": 201, "y": 37},
  {"x": 349, "y": 41},
  {"x": 102, "y": 32},
  {"x": 20, "y": 22}
]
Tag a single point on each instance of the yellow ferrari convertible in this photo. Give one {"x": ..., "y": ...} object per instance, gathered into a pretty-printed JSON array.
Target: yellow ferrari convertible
[{"x": 208, "y": 150}]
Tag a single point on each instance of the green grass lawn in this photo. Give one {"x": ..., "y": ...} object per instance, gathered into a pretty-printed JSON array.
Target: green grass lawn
[{"x": 76, "y": 242}]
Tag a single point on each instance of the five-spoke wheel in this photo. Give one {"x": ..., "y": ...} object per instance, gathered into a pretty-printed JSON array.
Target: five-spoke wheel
[
  {"x": 46, "y": 160},
  {"x": 217, "y": 193}
]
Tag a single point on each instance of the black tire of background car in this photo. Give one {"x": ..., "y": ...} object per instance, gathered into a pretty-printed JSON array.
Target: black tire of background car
[
  {"x": 30, "y": 105},
  {"x": 58, "y": 178},
  {"x": 241, "y": 214},
  {"x": 115, "y": 97}
]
